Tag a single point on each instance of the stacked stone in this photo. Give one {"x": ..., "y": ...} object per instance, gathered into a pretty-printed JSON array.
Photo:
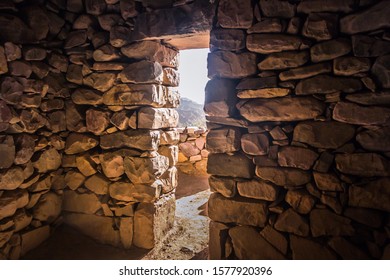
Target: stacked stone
[
  {"x": 298, "y": 112},
  {"x": 193, "y": 154},
  {"x": 86, "y": 125}
]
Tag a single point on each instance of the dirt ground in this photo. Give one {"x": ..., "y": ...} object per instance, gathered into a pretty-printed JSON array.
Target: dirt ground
[{"x": 188, "y": 239}]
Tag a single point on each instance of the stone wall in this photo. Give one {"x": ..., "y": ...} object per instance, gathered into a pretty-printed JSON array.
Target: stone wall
[
  {"x": 298, "y": 111},
  {"x": 193, "y": 154}
]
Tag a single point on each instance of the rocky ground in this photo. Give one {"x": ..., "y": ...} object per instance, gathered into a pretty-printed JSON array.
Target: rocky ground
[{"x": 188, "y": 239}]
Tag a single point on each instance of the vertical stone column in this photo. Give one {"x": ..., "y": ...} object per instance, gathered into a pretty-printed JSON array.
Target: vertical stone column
[{"x": 298, "y": 114}]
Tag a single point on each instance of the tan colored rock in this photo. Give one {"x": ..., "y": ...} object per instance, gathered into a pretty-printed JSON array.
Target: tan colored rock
[
  {"x": 169, "y": 180},
  {"x": 258, "y": 189},
  {"x": 74, "y": 117},
  {"x": 129, "y": 94},
  {"x": 306, "y": 249},
  {"x": 126, "y": 232},
  {"x": 292, "y": 222},
  {"x": 122, "y": 191},
  {"x": 240, "y": 211},
  {"x": 323, "y": 84},
  {"x": 377, "y": 139},
  {"x": 281, "y": 9},
  {"x": 48, "y": 208},
  {"x": 80, "y": 203},
  {"x": 119, "y": 36},
  {"x": 223, "y": 140},
  {"x": 171, "y": 152},
  {"x": 20, "y": 68},
  {"x": 153, "y": 51},
  {"x": 224, "y": 64},
  {"x": 83, "y": 96},
  {"x": 284, "y": 177},
  {"x": 141, "y": 140},
  {"x": 325, "y": 135},
  {"x": 86, "y": 165},
  {"x": 97, "y": 121},
  {"x": 235, "y": 14},
  {"x": 97, "y": 184},
  {"x": 220, "y": 98},
  {"x": 321, "y": 26},
  {"x": 346, "y": 249},
  {"x": 237, "y": 165},
  {"x": 112, "y": 165},
  {"x": 5, "y": 236},
  {"x": 142, "y": 72},
  {"x": 75, "y": 38},
  {"x": 225, "y": 186},
  {"x": 77, "y": 143},
  {"x": 329, "y": 50},
  {"x": 373, "y": 18},
  {"x": 248, "y": 244},
  {"x": 106, "y": 53},
  {"x": 8, "y": 206},
  {"x": 7, "y": 151},
  {"x": 281, "y": 109},
  {"x": 323, "y": 222},
  {"x": 328, "y": 182},
  {"x": 361, "y": 115},
  {"x": 255, "y": 144},
  {"x": 363, "y": 164},
  {"x": 171, "y": 77},
  {"x": 347, "y": 66},
  {"x": 274, "y": 43},
  {"x": 300, "y": 200},
  {"x": 297, "y": 157},
  {"x": 156, "y": 118},
  {"x": 47, "y": 161},
  {"x": 33, "y": 238},
  {"x": 306, "y": 71},
  {"x": 74, "y": 179},
  {"x": 152, "y": 221},
  {"x": 145, "y": 170},
  {"x": 227, "y": 39},
  {"x": 100, "y": 81},
  {"x": 372, "y": 195},
  {"x": 3, "y": 61},
  {"x": 284, "y": 60},
  {"x": 264, "y": 93},
  {"x": 318, "y": 6},
  {"x": 97, "y": 227},
  {"x": 22, "y": 219},
  {"x": 218, "y": 234}
]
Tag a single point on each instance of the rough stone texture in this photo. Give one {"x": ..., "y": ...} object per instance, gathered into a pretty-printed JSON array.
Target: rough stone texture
[
  {"x": 281, "y": 9},
  {"x": 248, "y": 244},
  {"x": 32, "y": 239},
  {"x": 300, "y": 200},
  {"x": 227, "y": 39},
  {"x": 145, "y": 170},
  {"x": 80, "y": 203},
  {"x": 382, "y": 98},
  {"x": 371, "y": 195},
  {"x": 224, "y": 140},
  {"x": 156, "y": 118},
  {"x": 325, "y": 135},
  {"x": 220, "y": 98},
  {"x": 324, "y": 222},
  {"x": 321, "y": 26},
  {"x": 323, "y": 84},
  {"x": 235, "y": 14},
  {"x": 380, "y": 69},
  {"x": 327, "y": 182},
  {"x": 306, "y": 249},
  {"x": 142, "y": 72},
  {"x": 377, "y": 139},
  {"x": 240, "y": 211},
  {"x": 281, "y": 109},
  {"x": 47, "y": 161},
  {"x": 346, "y": 66},
  {"x": 78, "y": 143},
  {"x": 284, "y": 60},
  {"x": 296, "y": 157},
  {"x": 255, "y": 144},
  {"x": 258, "y": 189},
  {"x": 283, "y": 176},
  {"x": 290, "y": 221},
  {"x": 273, "y": 43},
  {"x": 143, "y": 140},
  {"x": 306, "y": 71},
  {"x": 224, "y": 64},
  {"x": 224, "y": 186},
  {"x": 237, "y": 165},
  {"x": 363, "y": 164},
  {"x": 48, "y": 208},
  {"x": 330, "y": 49},
  {"x": 354, "y": 114}
]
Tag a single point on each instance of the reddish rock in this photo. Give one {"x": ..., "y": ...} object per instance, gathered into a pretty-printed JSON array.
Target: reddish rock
[
  {"x": 367, "y": 46},
  {"x": 297, "y": 157},
  {"x": 119, "y": 36},
  {"x": 240, "y": 211},
  {"x": 3, "y": 61},
  {"x": 374, "y": 195},
  {"x": 95, "y": 7},
  {"x": 330, "y": 49},
  {"x": 83, "y": 96},
  {"x": 237, "y": 165},
  {"x": 292, "y": 222},
  {"x": 141, "y": 140},
  {"x": 323, "y": 84},
  {"x": 223, "y": 140},
  {"x": 25, "y": 147},
  {"x": 321, "y": 26},
  {"x": 235, "y": 14},
  {"x": 284, "y": 177},
  {"x": 97, "y": 121},
  {"x": 77, "y": 143},
  {"x": 225, "y": 186},
  {"x": 347, "y": 66},
  {"x": 7, "y": 151},
  {"x": 48, "y": 208},
  {"x": 306, "y": 71},
  {"x": 300, "y": 200},
  {"x": 381, "y": 98},
  {"x": 47, "y": 161},
  {"x": 75, "y": 39},
  {"x": 377, "y": 139},
  {"x": 142, "y": 72},
  {"x": 318, "y": 6},
  {"x": 346, "y": 249},
  {"x": 106, "y": 53},
  {"x": 20, "y": 68},
  {"x": 361, "y": 115},
  {"x": 100, "y": 81},
  {"x": 258, "y": 189},
  {"x": 328, "y": 182},
  {"x": 255, "y": 144},
  {"x": 112, "y": 165},
  {"x": 107, "y": 21},
  {"x": 11, "y": 178},
  {"x": 273, "y": 43},
  {"x": 224, "y": 64},
  {"x": 363, "y": 164}
]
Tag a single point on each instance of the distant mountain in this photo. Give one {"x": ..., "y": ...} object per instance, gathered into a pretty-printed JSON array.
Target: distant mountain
[{"x": 191, "y": 113}]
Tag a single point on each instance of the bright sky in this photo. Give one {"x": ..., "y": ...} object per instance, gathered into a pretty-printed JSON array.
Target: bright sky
[{"x": 193, "y": 74}]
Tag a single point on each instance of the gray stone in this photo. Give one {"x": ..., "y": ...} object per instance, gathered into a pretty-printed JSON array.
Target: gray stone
[
  {"x": 330, "y": 49},
  {"x": 258, "y": 189},
  {"x": 381, "y": 69},
  {"x": 373, "y": 18},
  {"x": 324, "y": 84},
  {"x": 237, "y": 165},
  {"x": 297, "y": 157},
  {"x": 273, "y": 43},
  {"x": 361, "y": 115},
  {"x": 235, "y": 14},
  {"x": 284, "y": 60},
  {"x": 281, "y": 109},
  {"x": 377, "y": 139},
  {"x": 292, "y": 222},
  {"x": 284, "y": 177},
  {"x": 325, "y": 135},
  {"x": 323, "y": 222},
  {"x": 224, "y": 64},
  {"x": 248, "y": 244},
  {"x": 240, "y": 211},
  {"x": 374, "y": 195}
]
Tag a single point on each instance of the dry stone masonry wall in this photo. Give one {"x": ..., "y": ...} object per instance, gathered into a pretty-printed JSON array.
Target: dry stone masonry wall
[
  {"x": 298, "y": 111},
  {"x": 193, "y": 154},
  {"x": 86, "y": 118}
]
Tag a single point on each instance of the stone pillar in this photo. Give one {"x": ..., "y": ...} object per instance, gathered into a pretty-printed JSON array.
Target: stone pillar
[{"x": 298, "y": 112}]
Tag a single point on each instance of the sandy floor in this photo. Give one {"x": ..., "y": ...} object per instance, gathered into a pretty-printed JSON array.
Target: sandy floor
[{"x": 187, "y": 239}]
